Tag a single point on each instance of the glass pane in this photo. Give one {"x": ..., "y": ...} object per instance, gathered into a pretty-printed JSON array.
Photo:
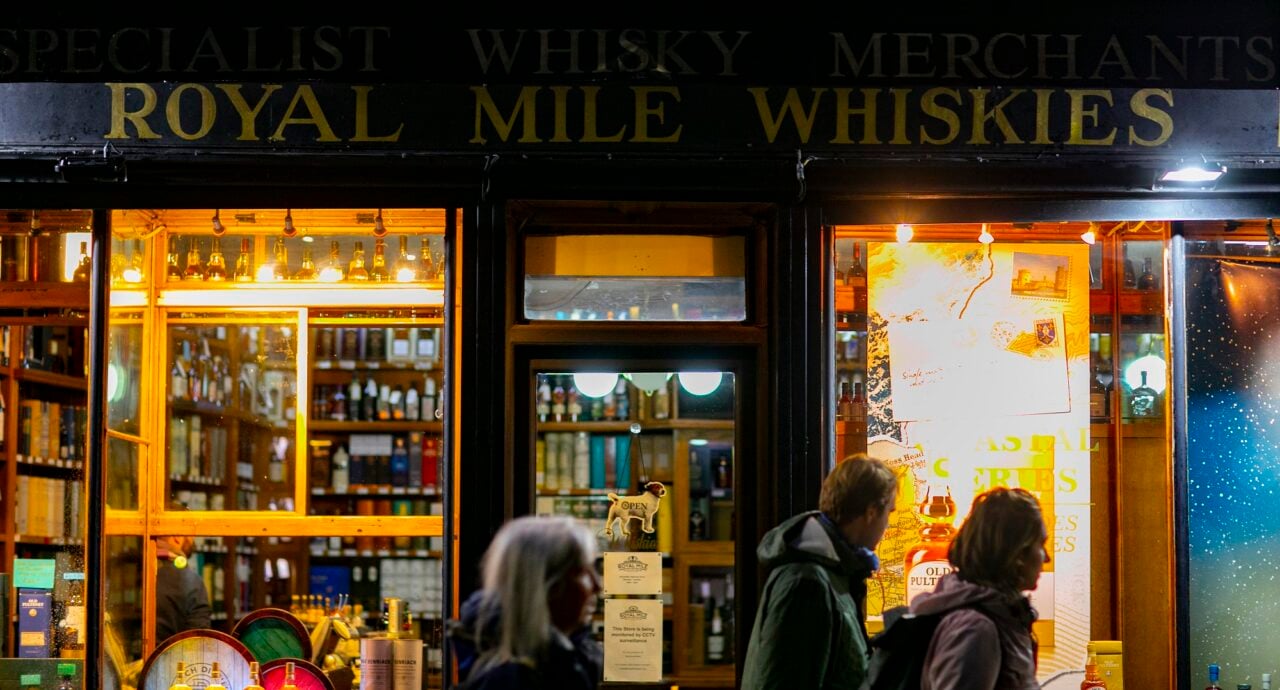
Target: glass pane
[
  {"x": 122, "y": 474},
  {"x": 232, "y": 398},
  {"x": 45, "y": 246},
  {"x": 123, "y": 612},
  {"x": 124, "y": 373},
  {"x": 315, "y": 579},
  {"x": 653, "y": 278},
  {"x": 661, "y": 439}
]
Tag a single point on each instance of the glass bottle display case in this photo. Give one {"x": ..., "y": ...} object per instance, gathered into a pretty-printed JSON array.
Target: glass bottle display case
[
  {"x": 282, "y": 379},
  {"x": 962, "y": 355}
]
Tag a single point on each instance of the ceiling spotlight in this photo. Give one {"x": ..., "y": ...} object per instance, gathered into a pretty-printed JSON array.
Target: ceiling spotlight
[
  {"x": 379, "y": 228},
  {"x": 986, "y": 237},
  {"x": 1089, "y": 236},
  {"x": 1194, "y": 173},
  {"x": 218, "y": 227},
  {"x": 905, "y": 232},
  {"x": 289, "y": 230}
]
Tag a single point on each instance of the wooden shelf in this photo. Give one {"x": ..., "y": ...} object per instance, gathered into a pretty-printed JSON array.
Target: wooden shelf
[
  {"x": 376, "y": 553},
  {"x": 38, "y": 295},
  {"x": 576, "y": 492},
  {"x": 6, "y": 371},
  {"x": 51, "y": 463},
  {"x": 1130, "y": 428},
  {"x": 50, "y": 542},
  {"x": 48, "y": 378},
  {"x": 339, "y": 365},
  {"x": 211, "y": 482},
  {"x": 329, "y": 426},
  {"x": 388, "y": 491},
  {"x": 650, "y": 425}
]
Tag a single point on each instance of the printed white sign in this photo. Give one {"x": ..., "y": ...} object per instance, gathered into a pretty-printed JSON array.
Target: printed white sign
[{"x": 632, "y": 572}]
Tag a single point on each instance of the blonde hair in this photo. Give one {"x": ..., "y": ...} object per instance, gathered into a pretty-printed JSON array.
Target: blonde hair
[
  {"x": 526, "y": 559},
  {"x": 855, "y": 485},
  {"x": 1002, "y": 527}
]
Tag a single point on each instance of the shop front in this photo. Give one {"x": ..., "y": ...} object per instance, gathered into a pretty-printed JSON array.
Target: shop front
[{"x": 315, "y": 310}]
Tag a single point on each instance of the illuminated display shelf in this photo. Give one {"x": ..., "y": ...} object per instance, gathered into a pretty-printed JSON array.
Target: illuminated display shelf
[
  {"x": 647, "y": 425},
  {"x": 378, "y": 490},
  {"x": 329, "y": 426}
]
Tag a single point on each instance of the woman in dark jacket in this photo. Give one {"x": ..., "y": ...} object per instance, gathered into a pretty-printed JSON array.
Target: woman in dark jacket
[
  {"x": 527, "y": 629},
  {"x": 997, "y": 555}
]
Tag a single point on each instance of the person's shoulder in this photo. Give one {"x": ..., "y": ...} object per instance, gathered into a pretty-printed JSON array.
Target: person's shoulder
[
  {"x": 513, "y": 675},
  {"x": 967, "y": 622}
]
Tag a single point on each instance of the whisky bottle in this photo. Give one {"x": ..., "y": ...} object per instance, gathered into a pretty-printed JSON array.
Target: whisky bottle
[
  {"x": 558, "y": 402},
  {"x": 244, "y": 267},
  {"x": 426, "y": 268},
  {"x": 403, "y": 270},
  {"x": 217, "y": 264},
  {"x": 1142, "y": 400},
  {"x": 81, "y": 274},
  {"x": 397, "y": 402},
  {"x": 194, "y": 270},
  {"x": 1214, "y": 673},
  {"x": 379, "y": 271},
  {"x": 715, "y": 635},
  {"x": 926, "y": 561},
  {"x": 173, "y": 271},
  {"x": 354, "y": 406},
  {"x": 255, "y": 677},
  {"x": 1147, "y": 281},
  {"x": 280, "y": 271},
  {"x": 341, "y": 478},
  {"x": 855, "y": 269},
  {"x": 1092, "y": 679},
  {"x": 844, "y": 405},
  {"x": 307, "y": 271},
  {"x": 180, "y": 678},
  {"x": 369, "y": 402},
  {"x": 1130, "y": 278},
  {"x": 332, "y": 271},
  {"x": 840, "y": 277},
  {"x": 384, "y": 402},
  {"x": 543, "y": 405},
  {"x": 412, "y": 404},
  {"x": 356, "y": 270},
  {"x": 662, "y": 402},
  {"x": 290, "y": 680},
  {"x": 215, "y": 678}
]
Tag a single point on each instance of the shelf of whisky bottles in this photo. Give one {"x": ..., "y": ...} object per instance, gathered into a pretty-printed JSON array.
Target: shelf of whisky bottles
[
  {"x": 851, "y": 321},
  {"x": 543, "y": 491},
  {"x": 645, "y": 425},
  {"x": 68, "y": 464},
  {"x": 215, "y": 482},
  {"x": 204, "y": 408},
  {"x": 1130, "y": 427},
  {"x": 392, "y": 426},
  {"x": 376, "y": 490},
  {"x": 1131, "y": 302},
  {"x": 48, "y": 378},
  {"x": 353, "y": 365},
  {"x": 34, "y": 540},
  {"x": 375, "y": 553}
]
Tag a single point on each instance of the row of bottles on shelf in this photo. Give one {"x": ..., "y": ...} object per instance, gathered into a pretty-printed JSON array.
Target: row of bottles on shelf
[
  {"x": 854, "y": 271},
  {"x": 50, "y": 432},
  {"x": 342, "y": 546},
  {"x": 1142, "y": 378},
  {"x": 407, "y": 345},
  {"x": 198, "y": 451},
  {"x": 373, "y": 402},
  {"x": 184, "y": 677},
  {"x": 56, "y": 349},
  {"x": 711, "y": 616},
  {"x": 1215, "y": 681},
  {"x": 426, "y": 265},
  {"x": 851, "y": 406},
  {"x": 48, "y": 508},
  {"x": 583, "y": 461},
  {"x": 559, "y": 400},
  {"x": 412, "y": 461},
  {"x": 262, "y": 383},
  {"x": 1145, "y": 281}
]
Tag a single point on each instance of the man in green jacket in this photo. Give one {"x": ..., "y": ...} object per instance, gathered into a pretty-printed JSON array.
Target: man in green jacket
[{"x": 810, "y": 629}]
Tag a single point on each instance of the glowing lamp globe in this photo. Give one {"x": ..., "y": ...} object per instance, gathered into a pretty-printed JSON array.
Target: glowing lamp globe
[
  {"x": 700, "y": 382},
  {"x": 595, "y": 385}
]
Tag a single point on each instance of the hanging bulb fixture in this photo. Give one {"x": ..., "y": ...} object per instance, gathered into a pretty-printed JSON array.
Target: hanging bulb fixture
[
  {"x": 218, "y": 227},
  {"x": 379, "y": 228},
  {"x": 289, "y": 230},
  {"x": 986, "y": 237},
  {"x": 1089, "y": 236},
  {"x": 905, "y": 232}
]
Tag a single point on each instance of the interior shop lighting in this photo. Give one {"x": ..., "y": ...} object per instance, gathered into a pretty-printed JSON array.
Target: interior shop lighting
[
  {"x": 594, "y": 384},
  {"x": 1193, "y": 172},
  {"x": 1090, "y": 236},
  {"x": 985, "y": 236},
  {"x": 905, "y": 232},
  {"x": 218, "y": 227},
  {"x": 1154, "y": 367},
  {"x": 649, "y": 381},
  {"x": 700, "y": 382}
]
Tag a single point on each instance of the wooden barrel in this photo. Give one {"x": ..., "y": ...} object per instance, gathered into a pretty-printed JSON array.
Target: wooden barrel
[
  {"x": 198, "y": 649},
  {"x": 306, "y": 675},
  {"x": 273, "y": 634}
]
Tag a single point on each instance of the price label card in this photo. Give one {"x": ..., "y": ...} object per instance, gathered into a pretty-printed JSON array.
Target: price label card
[
  {"x": 633, "y": 640},
  {"x": 33, "y": 573},
  {"x": 632, "y": 572}
]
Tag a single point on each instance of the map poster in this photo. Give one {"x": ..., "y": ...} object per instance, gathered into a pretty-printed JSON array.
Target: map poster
[
  {"x": 978, "y": 377},
  {"x": 632, "y": 640}
]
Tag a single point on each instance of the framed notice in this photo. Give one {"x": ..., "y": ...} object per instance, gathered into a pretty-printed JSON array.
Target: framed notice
[
  {"x": 633, "y": 640},
  {"x": 632, "y": 572}
]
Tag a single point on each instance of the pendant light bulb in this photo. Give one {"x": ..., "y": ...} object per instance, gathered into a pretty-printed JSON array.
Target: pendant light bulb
[
  {"x": 1089, "y": 236},
  {"x": 905, "y": 232},
  {"x": 289, "y": 230},
  {"x": 986, "y": 237},
  {"x": 218, "y": 227}
]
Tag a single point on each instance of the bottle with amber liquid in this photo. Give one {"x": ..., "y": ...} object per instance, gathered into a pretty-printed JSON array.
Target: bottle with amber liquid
[
  {"x": 332, "y": 271},
  {"x": 308, "y": 269},
  {"x": 926, "y": 561},
  {"x": 173, "y": 271},
  {"x": 379, "y": 272},
  {"x": 404, "y": 272},
  {"x": 426, "y": 268},
  {"x": 244, "y": 268},
  {"x": 194, "y": 270},
  {"x": 1092, "y": 679},
  {"x": 217, "y": 271},
  {"x": 356, "y": 270},
  {"x": 81, "y": 274},
  {"x": 856, "y": 269},
  {"x": 281, "y": 269}
]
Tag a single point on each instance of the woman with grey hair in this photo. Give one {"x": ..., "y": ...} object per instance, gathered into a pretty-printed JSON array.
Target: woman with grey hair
[{"x": 529, "y": 627}]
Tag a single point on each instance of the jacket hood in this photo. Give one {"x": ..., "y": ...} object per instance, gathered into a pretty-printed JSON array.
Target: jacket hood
[
  {"x": 954, "y": 593},
  {"x": 811, "y": 537}
]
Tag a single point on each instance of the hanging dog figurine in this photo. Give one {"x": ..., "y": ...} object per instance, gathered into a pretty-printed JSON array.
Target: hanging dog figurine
[{"x": 641, "y": 507}]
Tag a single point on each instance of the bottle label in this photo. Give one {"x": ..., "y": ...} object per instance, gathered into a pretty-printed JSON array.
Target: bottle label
[
  {"x": 923, "y": 577},
  {"x": 715, "y": 647}
]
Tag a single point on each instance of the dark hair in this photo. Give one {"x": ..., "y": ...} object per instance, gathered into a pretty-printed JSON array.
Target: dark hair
[
  {"x": 1002, "y": 527},
  {"x": 855, "y": 485}
]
